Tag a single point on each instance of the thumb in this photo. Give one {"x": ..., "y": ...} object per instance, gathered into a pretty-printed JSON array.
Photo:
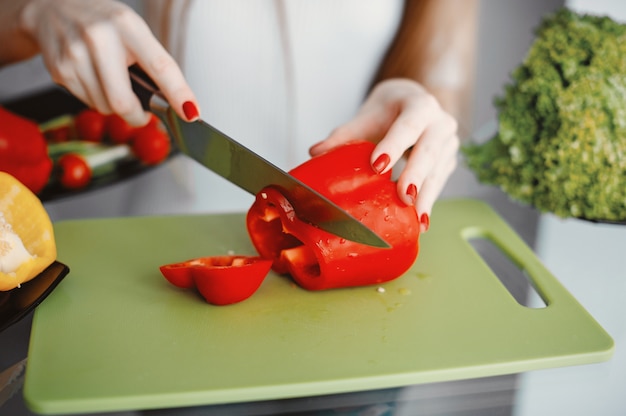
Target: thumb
[{"x": 363, "y": 127}]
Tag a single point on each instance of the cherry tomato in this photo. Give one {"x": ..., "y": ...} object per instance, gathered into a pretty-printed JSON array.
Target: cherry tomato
[
  {"x": 75, "y": 172},
  {"x": 58, "y": 135},
  {"x": 154, "y": 121},
  {"x": 151, "y": 144},
  {"x": 118, "y": 130},
  {"x": 90, "y": 125}
]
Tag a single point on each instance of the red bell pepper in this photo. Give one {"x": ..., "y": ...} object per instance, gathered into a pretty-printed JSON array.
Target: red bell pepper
[
  {"x": 23, "y": 151},
  {"x": 318, "y": 260},
  {"x": 221, "y": 280}
]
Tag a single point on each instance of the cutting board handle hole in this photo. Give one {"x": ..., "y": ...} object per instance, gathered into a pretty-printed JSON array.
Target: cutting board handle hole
[{"x": 512, "y": 277}]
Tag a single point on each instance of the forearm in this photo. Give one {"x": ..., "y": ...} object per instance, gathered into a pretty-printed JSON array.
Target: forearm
[
  {"x": 435, "y": 46},
  {"x": 15, "y": 43}
]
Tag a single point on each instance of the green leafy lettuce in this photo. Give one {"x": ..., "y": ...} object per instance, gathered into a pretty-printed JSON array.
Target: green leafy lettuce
[{"x": 561, "y": 140}]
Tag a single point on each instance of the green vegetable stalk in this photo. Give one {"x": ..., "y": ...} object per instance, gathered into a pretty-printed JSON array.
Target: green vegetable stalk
[{"x": 561, "y": 141}]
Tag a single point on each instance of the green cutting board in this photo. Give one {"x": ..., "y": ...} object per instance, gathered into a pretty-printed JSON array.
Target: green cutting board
[{"x": 115, "y": 335}]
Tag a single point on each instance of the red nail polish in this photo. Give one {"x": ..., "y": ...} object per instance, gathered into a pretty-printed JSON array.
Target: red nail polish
[
  {"x": 381, "y": 163},
  {"x": 424, "y": 222},
  {"x": 411, "y": 191},
  {"x": 190, "y": 110}
]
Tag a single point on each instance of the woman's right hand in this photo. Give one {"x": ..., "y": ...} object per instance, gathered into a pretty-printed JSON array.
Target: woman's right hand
[{"x": 88, "y": 46}]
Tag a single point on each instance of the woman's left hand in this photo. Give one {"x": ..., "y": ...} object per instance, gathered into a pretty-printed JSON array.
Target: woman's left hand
[{"x": 400, "y": 115}]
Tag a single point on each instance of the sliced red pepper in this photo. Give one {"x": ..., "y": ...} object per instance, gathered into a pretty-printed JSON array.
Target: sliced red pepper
[
  {"x": 60, "y": 134},
  {"x": 221, "y": 280},
  {"x": 23, "y": 151},
  {"x": 318, "y": 260}
]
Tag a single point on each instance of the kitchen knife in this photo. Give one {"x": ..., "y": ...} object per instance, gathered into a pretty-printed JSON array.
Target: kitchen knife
[{"x": 244, "y": 168}]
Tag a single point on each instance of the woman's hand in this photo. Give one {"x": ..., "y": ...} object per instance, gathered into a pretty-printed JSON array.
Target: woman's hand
[
  {"x": 88, "y": 46},
  {"x": 401, "y": 115}
]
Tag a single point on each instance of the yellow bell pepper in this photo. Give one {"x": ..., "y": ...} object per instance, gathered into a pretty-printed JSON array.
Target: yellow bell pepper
[{"x": 27, "y": 244}]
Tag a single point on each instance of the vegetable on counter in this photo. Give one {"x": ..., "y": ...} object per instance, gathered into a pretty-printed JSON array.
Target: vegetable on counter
[
  {"x": 221, "y": 280},
  {"x": 27, "y": 244},
  {"x": 23, "y": 151},
  {"x": 76, "y": 169},
  {"x": 90, "y": 125},
  {"x": 91, "y": 145},
  {"x": 119, "y": 130},
  {"x": 315, "y": 259},
  {"x": 561, "y": 140},
  {"x": 318, "y": 260},
  {"x": 150, "y": 144}
]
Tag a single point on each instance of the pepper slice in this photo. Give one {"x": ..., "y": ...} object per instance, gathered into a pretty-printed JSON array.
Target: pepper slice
[
  {"x": 27, "y": 244},
  {"x": 221, "y": 280},
  {"x": 318, "y": 260}
]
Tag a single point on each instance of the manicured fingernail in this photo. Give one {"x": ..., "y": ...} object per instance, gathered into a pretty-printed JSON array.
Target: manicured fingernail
[
  {"x": 424, "y": 222},
  {"x": 411, "y": 191},
  {"x": 381, "y": 163},
  {"x": 190, "y": 110}
]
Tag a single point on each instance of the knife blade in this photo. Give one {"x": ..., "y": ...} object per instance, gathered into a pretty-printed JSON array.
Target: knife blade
[{"x": 246, "y": 169}]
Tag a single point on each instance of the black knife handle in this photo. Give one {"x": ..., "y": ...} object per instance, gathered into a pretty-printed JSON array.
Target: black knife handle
[{"x": 143, "y": 86}]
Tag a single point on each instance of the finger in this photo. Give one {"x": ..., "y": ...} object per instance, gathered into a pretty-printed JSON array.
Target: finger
[
  {"x": 64, "y": 75},
  {"x": 410, "y": 125},
  {"x": 110, "y": 59},
  {"x": 435, "y": 181},
  {"x": 425, "y": 154},
  {"x": 83, "y": 85},
  {"x": 90, "y": 82},
  {"x": 369, "y": 124},
  {"x": 69, "y": 65},
  {"x": 73, "y": 84},
  {"x": 161, "y": 67}
]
